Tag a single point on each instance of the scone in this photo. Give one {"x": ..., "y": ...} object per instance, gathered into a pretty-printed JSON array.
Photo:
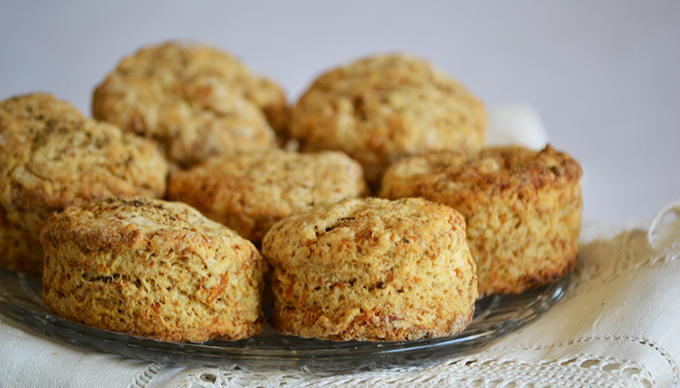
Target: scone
[
  {"x": 51, "y": 156},
  {"x": 195, "y": 100},
  {"x": 372, "y": 270},
  {"x": 249, "y": 192},
  {"x": 522, "y": 209},
  {"x": 381, "y": 108},
  {"x": 21, "y": 250},
  {"x": 152, "y": 268}
]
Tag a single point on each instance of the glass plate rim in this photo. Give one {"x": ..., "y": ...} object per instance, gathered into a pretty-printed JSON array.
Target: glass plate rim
[{"x": 21, "y": 302}]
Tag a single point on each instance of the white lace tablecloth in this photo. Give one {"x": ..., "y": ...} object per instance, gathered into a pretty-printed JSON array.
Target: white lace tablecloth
[{"x": 617, "y": 326}]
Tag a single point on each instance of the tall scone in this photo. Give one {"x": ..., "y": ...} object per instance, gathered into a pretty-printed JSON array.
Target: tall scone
[
  {"x": 522, "y": 209},
  {"x": 249, "y": 192},
  {"x": 194, "y": 99},
  {"x": 372, "y": 270},
  {"x": 152, "y": 268},
  {"x": 384, "y": 107},
  {"x": 52, "y": 156}
]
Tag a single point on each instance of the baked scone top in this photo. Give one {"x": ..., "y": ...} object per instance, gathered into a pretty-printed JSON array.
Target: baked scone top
[
  {"x": 119, "y": 225},
  {"x": 369, "y": 230},
  {"x": 51, "y": 156},
  {"x": 249, "y": 192},
  {"x": 466, "y": 181},
  {"x": 386, "y": 106},
  {"x": 195, "y": 99}
]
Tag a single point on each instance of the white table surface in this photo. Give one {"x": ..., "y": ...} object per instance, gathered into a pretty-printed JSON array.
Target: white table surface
[{"x": 604, "y": 75}]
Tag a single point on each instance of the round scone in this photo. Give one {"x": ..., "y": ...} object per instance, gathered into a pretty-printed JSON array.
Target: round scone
[
  {"x": 372, "y": 270},
  {"x": 152, "y": 268},
  {"x": 51, "y": 156},
  {"x": 381, "y": 108},
  {"x": 522, "y": 209},
  {"x": 249, "y": 192},
  {"x": 196, "y": 100}
]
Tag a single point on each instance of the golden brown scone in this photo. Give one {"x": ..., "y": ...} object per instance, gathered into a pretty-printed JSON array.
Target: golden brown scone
[
  {"x": 51, "y": 156},
  {"x": 249, "y": 192},
  {"x": 152, "y": 268},
  {"x": 384, "y": 107},
  {"x": 196, "y": 100},
  {"x": 522, "y": 208},
  {"x": 371, "y": 270}
]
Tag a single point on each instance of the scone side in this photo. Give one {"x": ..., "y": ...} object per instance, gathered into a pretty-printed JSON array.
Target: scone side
[
  {"x": 173, "y": 285},
  {"x": 21, "y": 249},
  {"x": 52, "y": 156},
  {"x": 533, "y": 243},
  {"x": 353, "y": 282},
  {"x": 522, "y": 209}
]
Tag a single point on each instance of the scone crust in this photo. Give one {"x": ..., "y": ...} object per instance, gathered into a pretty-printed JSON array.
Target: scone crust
[
  {"x": 21, "y": 250},
  {"x": 196, "y": 100},
  {"x": 152, "y": 268},
  {"x": 522, "y": 209},
  {"x": 381, "y": 108},
  {"x": 51, "y": 156},
  {"x": 249, "y": 192},
  {"x": 372, "y": 270}
]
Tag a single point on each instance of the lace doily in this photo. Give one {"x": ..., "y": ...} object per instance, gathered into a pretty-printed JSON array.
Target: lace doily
[{"x": 617, "y": 326}]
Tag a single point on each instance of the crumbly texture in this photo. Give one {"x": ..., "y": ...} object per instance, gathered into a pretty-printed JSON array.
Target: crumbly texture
[
  {"x": 51, "y": 156},
  {"x": 372, "y": 270},
  {"x": 194, "y": 99},
  {"x": 152, "y": 268},
  {"x": 522, "y": 209},
  {"x": 381, "y": 108},
  {"x": 21, "y": 250},
  {"x": 250, "y": 192}
]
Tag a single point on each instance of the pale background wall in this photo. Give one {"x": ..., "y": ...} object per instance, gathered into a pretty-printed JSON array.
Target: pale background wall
[{"x": 605, "y": 75}]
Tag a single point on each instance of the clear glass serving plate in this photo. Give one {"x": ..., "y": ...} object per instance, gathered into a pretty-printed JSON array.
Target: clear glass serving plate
[{"x": 495, "y": 316}]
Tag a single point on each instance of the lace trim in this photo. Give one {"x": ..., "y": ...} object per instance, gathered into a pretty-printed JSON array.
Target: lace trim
[
  {"x": 632, "y": 249},
  {"x": 584, "y": 370},
  {"x": 144, "y": 378},
  {"x": 636, "y": 340}
]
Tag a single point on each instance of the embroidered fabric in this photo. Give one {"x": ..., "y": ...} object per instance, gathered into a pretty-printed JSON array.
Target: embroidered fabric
[{"x": 618, "y": 326}]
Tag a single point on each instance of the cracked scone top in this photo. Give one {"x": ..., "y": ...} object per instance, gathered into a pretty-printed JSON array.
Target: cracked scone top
[
  {"x": 249, "y": 192},
  {"x": 152, "y": 268},
  {"x": 372, "y": 270},
  {"x": 194, "y": 99},
  {"x": 522, "y": 209},
  {"x": 381, "y": 108},
  {"x": 51, "y": 156}
]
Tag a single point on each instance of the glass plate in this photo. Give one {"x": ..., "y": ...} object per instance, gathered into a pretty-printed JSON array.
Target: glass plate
[{"x": 495, "y": 316}]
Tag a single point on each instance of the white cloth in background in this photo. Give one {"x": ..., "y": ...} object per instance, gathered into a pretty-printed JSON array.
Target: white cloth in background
[
  {"x": 516, "y": 123},
  {"x": 618, "y": 325}
]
